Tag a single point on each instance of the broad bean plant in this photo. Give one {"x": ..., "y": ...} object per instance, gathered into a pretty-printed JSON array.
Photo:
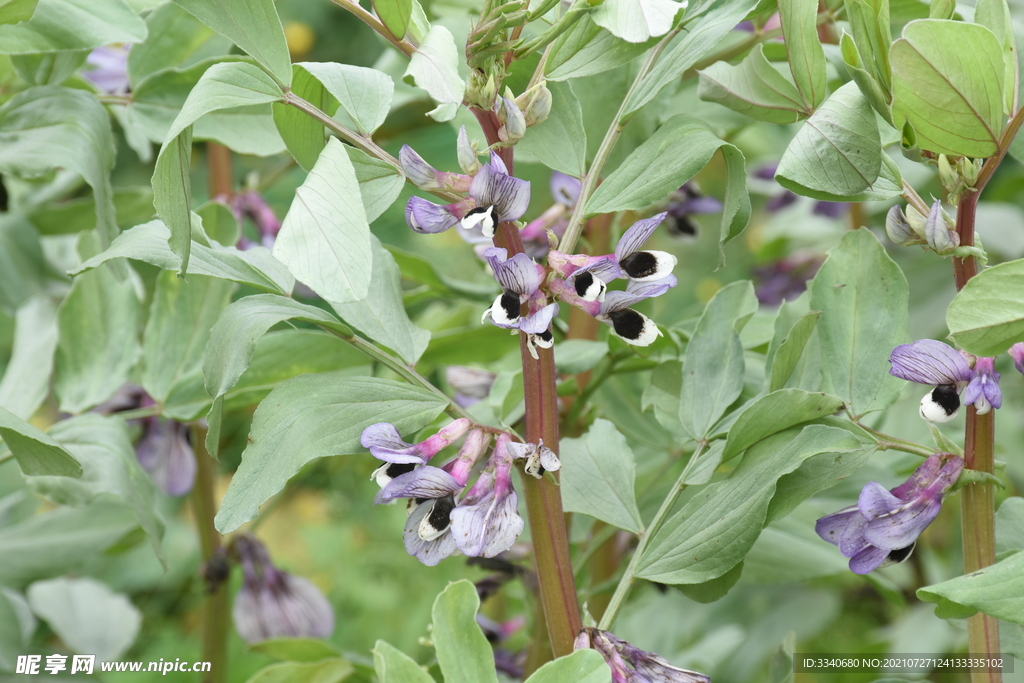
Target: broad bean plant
[{"x": 614, "y": 308}]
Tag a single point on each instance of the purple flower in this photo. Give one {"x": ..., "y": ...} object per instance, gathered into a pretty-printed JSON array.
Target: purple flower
[
  {"x": 520, "y": 278},
  {"x": 273, "y": 603},
  {"x": 251, "y": 205},
  {"x": 1017, "y": 353},
  {"x": 385, "y": 443},
  {"x": 487, "y": 522},
  {"x": 566, "y": 190},
  {"x": 931, "y": 362},
  {"x": 110, "y": 72},
  {"x": 166, "y": 453},
  {"x": 426, "y": 177},
  {"x": 494, "y": 197},
  {"x": 983, "y": 389},
  {"x": 785, "y": 279},
  {"x": 883, "y": 527},
  {"x": 630, "y": 664},
  {"x": 471, "y": 385},
  {"x": 685, "y": 202}
]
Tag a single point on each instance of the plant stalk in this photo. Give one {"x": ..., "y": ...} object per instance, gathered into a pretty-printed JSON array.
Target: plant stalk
[
  {"x": 543, "y": 497},
  {"x": 221, "y": 179},
  {"x": 978, "y": 503},
  {"x": 217, "y": 604},
  {"x": 400, "y": 44}
]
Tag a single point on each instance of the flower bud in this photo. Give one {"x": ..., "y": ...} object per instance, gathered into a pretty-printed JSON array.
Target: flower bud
[
  {"x": 917, "y": 221},
  {"x": 513, "y": 123},
  {"x": 535, "y": 104},
  {"x": 947, "y": 175},
  {"x": 469, "y": 162},
  {"x": 938, "y": 230},
  {"x": 898, "y": 229}
]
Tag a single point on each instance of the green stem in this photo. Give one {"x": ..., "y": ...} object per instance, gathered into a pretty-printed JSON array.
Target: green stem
[
  {"x": 359, "y": 141},
  {"x": 913, "y": 198},
  {"x": 402, "y": 45},
  {"x": 217, "y": 605},
  {"x": 885, "y": 442},
  {"x": 978, "y": 501},
  {"x": 618, "y": 124},
  {"x": 561, "y": 26},
  {"x": 645, "y": 536}
]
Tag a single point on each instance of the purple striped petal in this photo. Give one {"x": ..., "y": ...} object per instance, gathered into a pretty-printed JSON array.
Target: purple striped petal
[
  {"x": 518, "y": 274},
  {"x": 868, "y": 560},
  {"x": 493, "y": 187},
  {"x": 432, "y": 552},
  {"x": 637, "y": 234},
  {"x": 539, "y": 321},
  {"x": 424, "y": 482},
  {"x": 931, "y": 362},
  {"x": 428, "y": 217},
  {"x": 831, "y": 528}
]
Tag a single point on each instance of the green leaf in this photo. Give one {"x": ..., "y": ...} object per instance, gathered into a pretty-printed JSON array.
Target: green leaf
[
  {"x": 380, "y": 183},
  {"x": 381, "y": 315},
  {"x": 36, "y": 452},
  {"x": 365, "y": 94},
  {"x": 48, "y": 126},
  {"x": 869, "y": 86},
  {"x": 315, "y": 416},
  {"x": 1009, "y": 527},
  {"x": 58, "y": 541},
  {"x": 717, "y": 527},
  {"x": 109, "y": 466},
  {"x": 14, "y": 11},
  {"x": 252, "y": 25},
  {"x": 22, "y": 266},
  {"x": 17, "y": 624},
  {"x": 806, "y": 56},
  {"x": 304, "y": 136},
  {"x": 986, "y": 317},
  {"x": 574, "y": 356},
  {"x": 48, "y": 68},
  {"x": 708, "y": 31},
  {"x": 598, "y": 470},
  {"x": 394, "y": 666},
  {"x": 434, "y": 67},
  {"x": 325, "y": 238},
  {"x": 560, "y": 142},
  {"x": 788, "y": 550},
  {"x": 395, "y": 14},
  {"x": 462, "y": 650},
  {"x": 219, "y": 222},
  {"x": 587, "y": 49},
  {"x": 888, "y": 185},
  {"x": 775, "y": 412},
  {"x": 952, "y": 97},
  {"x": 838, "y": 150},
  {"x": 174, "y": 36},
  {"x": 783, "y": 362},
  {"x": 753, "y": 87},
  {"x": 679, "y": 149},
  {"x": 869, "y": 20},
  {"x": 158, "y": 100},
  {"x": 997, "y": 590},
  {"x": 149, "y": 242},
  {"x": 86, "y": 615},
  {"x": 229, "y": 84},
  {"x": 178, "y": 328},
  {"x": 864, "y": 300},
  {"x": 995, "y": 16},
  {"x": 295, "y": 649},
  {"x": 332, "y": 670},
  {"x": 26, "y": 382},
  {"x": 636, "y": 21},
  {"x": 583, "y": 666},
  {"x": 99, "y": 344},
  {"x": 72, "y": 25},
  {"x": 233, "y": 338},
  {"x": 816, "y": 474},
  {"x": 713, "y": 367}
]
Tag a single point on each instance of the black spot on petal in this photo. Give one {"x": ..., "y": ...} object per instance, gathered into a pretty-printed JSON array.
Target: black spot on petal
[
  {"x": 947, "y": 398},
  {"x": 439, "y": 516},
  {"x": 583, "y": 282},
  {"x": 639, "y": 264},
  {"x": 628, "y": 323},
  {"x": 897, "y": 556},
  {"x": 479, "y": 209},
  {"x": 395, "y": 469},
  {"x": 510, "y": 304},
  {"x": 681, "y": 225}
]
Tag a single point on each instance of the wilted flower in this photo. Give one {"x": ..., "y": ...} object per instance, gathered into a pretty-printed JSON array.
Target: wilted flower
[
  {"x": 487, "y": 522},
  {"x": 883, "y": 527},
  {"x": 165, "y": 451},
  {"x": 494, "y": 196},
  {"x": 630, "y": 664},
  {"x": 539, "y": 458},
  {"x": 927, "y": 361},
  {"x": 110, "y": 69},
  {"x": 275, "y": 604}
]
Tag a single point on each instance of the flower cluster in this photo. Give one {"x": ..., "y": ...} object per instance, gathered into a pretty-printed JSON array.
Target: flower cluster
[
  {"x": 584, "y": 281},
  {"x": 273, "y": 603},
  {"x": 882, "y": 528},
  {"x": 520, "y": 279},
  {"x": 953, "y": 374},
  {"x": 445, "y": 514},
  {"x": 630, "y": 664}
]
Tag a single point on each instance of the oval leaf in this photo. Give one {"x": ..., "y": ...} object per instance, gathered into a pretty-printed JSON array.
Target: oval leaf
[{"x": 986, "y": 317}]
